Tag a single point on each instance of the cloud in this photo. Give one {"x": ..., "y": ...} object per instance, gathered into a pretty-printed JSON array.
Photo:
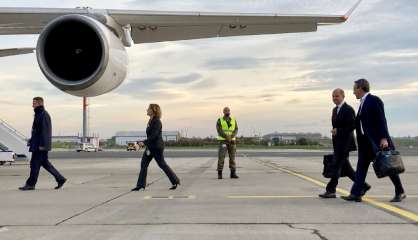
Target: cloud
[
  {"x": 231, "y": 63},
  {"x": 231, "y": 97},
  {"x": 190, "y": 78},
  {"x": 153, "y": 85},
  {"x": 292, "y": 72},
  {"x": 399, "y": 55},
  {"x": 237, "y": 63},
  {"x": 204, "y": 85},
  {"x": 294, "y": 101}
]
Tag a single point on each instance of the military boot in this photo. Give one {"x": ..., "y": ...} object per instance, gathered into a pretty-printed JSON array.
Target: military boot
[
  {"x": 219, "y": 174},
  {"x": 233, "y": 174}
]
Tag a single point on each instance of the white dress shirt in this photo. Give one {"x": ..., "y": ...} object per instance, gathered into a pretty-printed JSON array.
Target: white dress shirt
[{"x": 362, "y": 100}]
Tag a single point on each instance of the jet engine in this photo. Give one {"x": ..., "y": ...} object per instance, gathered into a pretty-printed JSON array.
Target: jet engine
[{"x": 81, "y": 56}]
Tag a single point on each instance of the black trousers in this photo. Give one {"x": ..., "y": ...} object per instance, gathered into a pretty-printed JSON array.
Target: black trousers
[
  {"x": 158, "y": 154},
  {"x": 40, "y": 159},
  {"x": 366, "y": 155},
  {"x": 345, "y": 166}
]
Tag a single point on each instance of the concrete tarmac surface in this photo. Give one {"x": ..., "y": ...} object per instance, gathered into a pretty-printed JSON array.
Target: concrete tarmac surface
[{"x": 275, "y": 198}]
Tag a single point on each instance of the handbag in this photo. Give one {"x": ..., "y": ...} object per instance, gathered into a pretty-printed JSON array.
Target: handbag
[{"x": 387, "y": 163}]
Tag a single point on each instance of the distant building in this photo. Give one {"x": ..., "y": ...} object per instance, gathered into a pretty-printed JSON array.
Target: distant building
[
  {"x": 66, "y": 139},
  {"x": 124, "y": 137},
  {"x": 290, "y": 138},
  {"x": 75, "y": 139}
]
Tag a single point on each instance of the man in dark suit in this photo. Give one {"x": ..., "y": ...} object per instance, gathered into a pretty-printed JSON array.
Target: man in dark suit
[
  {"x": 343, "y": 123},
  {"x": 39, "y": 145},
  {"x": 372, "y": 134}
]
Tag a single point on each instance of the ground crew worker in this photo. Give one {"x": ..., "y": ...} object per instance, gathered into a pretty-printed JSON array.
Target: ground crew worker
[{"x": 227, "y": 130}]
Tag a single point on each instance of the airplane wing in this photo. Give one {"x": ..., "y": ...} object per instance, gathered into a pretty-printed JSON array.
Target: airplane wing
[
  {"x": 158, "y": 26},
  {"x": 163, "y": 26},
  {"x": 15, "y": 51}
]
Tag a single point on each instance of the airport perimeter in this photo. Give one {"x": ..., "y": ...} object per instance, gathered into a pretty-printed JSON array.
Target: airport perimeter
[{"x": 275, "y": 198}]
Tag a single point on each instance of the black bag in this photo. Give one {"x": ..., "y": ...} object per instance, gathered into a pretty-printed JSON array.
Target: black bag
[
  {"x": 388, "y": 163},
  {"x": 331, "y": 168}
]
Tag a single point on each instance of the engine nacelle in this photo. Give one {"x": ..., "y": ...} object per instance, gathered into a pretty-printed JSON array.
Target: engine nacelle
[{"x": 81, "y": 56}]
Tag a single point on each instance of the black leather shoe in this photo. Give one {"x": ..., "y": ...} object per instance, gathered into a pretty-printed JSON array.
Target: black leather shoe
[
  {"x": 398, "y": 197},
  {"x": 352, "y": 198},
  {"x": 327, "y": 195},
  {"x": 27, "y": 188},
  {"x": 60, "y": 184},
  {"x": 366, "y": 188},
  {"x": 137, "y": 188}
]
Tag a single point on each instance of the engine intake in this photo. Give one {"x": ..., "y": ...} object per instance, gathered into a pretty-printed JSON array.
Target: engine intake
[{"x": 81, "y": 56}]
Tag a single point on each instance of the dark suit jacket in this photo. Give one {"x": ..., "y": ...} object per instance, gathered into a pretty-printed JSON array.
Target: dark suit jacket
[
  {"x": 154, "y": 135},
  {"x": 372, "y": 117},
  {"x": 41, "y": 130},
  {"x": 344, "y": 141}
]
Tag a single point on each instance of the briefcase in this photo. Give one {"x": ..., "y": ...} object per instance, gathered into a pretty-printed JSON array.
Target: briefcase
[
  {"x": 388, "y": 163},
  {"x": 331, "y": 167}
]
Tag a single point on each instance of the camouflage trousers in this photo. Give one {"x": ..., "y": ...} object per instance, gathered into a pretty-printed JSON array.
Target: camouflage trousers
[{"x": 224, "y": 147}]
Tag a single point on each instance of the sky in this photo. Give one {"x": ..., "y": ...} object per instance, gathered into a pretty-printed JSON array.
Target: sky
[{"x": 271, "y": 83}]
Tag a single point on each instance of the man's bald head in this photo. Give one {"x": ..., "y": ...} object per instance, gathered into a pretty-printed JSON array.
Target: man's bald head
[
  {"x": 338, "y": 96},
  {"x": 339, "y": 91},
  {"x": 227, "y": 111}
]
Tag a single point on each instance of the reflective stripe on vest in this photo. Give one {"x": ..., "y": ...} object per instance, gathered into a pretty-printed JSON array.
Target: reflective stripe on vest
[{"x": 227, "y": 130}]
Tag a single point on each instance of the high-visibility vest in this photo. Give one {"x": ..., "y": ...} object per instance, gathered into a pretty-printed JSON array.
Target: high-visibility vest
[{"x": 227, "y": 130}]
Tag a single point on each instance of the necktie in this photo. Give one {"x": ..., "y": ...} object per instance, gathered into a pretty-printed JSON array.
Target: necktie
[{"x": 334, "y": 114}]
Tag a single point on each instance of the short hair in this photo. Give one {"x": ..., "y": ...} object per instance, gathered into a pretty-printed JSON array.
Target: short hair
[
  {"x": 39, "y": 100},
  {"x": 339, "y": 90},
  {"x": 156, "y": 110},
  {"x": 363, "y": 84}
]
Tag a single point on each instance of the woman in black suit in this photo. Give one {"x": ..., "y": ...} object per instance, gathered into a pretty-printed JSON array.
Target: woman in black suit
[{"x": 154, "y": 149}]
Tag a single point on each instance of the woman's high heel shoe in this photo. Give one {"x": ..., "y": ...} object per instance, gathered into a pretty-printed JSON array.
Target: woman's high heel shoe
[
  {"x": 174, "y": 187},
  {"x": 138, "y": 188}
]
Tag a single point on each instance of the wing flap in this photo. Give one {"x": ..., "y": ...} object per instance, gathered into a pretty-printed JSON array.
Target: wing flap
[
  {"x": 20, "y": 30},
  {"x": 174, "y": 33},
  {"x": 163, "y": 26},
  {"x": 15, "y": 51},
  {"x": 242, "y": 30},
  {"x": 30, "y": 20},
  {"x": 138, "y": 18}
]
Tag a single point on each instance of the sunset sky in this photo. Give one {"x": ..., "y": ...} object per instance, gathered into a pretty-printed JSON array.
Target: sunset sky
[{"x": 271, "y": 83}]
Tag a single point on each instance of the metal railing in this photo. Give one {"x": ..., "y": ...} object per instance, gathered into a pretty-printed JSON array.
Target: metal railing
[
  {"x": 3, "y": 148},
  {"x": 13, "y": 130}
]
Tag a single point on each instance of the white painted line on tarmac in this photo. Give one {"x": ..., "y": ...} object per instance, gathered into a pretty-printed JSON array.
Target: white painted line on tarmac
[{"x": 170, "y": 197}]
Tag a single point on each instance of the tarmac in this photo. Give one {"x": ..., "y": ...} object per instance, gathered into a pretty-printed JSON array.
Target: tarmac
[{"x": 275, "y": 198}]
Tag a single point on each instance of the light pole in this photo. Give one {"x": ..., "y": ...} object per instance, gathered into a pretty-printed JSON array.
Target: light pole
[{"x": 85, "y": 120}]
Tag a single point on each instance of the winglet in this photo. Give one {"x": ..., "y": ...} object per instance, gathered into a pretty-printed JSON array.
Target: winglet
[{"x": 348, "y": 14}]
